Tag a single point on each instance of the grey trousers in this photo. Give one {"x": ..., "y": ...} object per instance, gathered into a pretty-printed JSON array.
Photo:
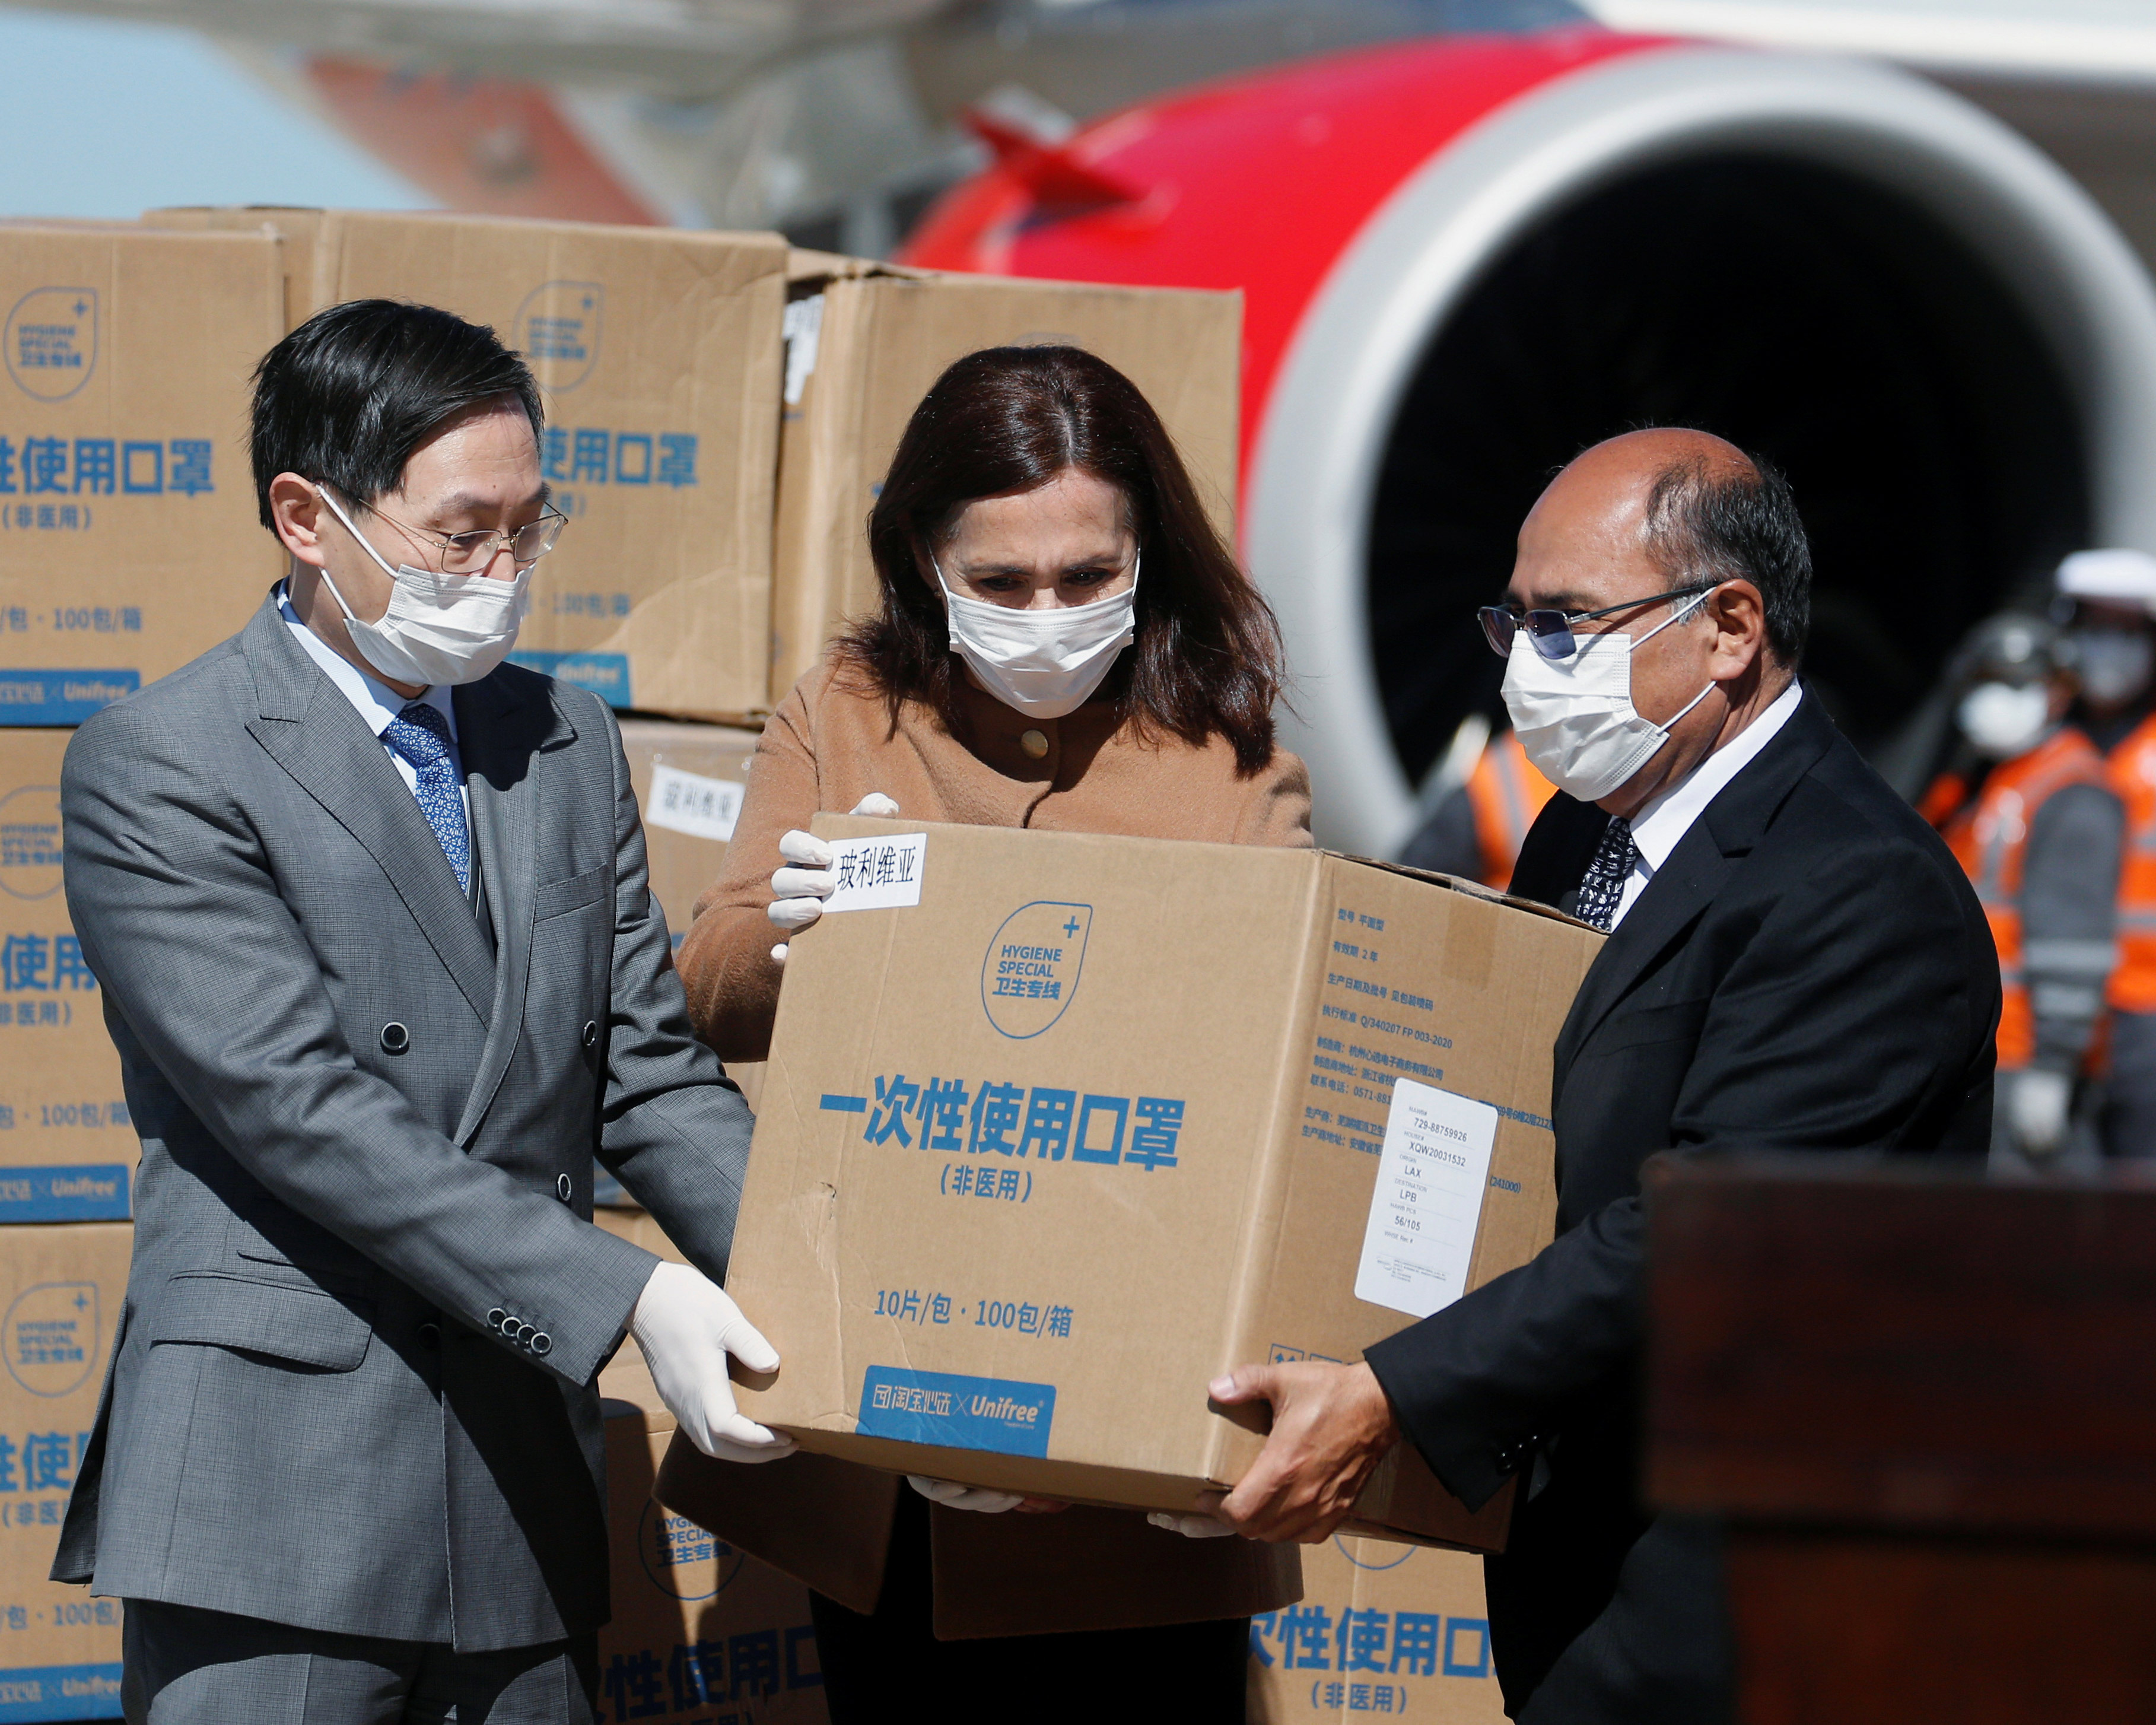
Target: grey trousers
[{"x": 187, "y": 1666}]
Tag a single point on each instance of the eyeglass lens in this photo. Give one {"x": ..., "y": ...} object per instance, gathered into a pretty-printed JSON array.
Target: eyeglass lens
[
  {"x": 1551, "y": 631},
  {"x": 526, "y": 545}
]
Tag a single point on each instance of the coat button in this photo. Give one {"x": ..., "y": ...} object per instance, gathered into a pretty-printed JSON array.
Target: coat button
[
  {"x": 541, "y": 1344},
  {"x": 591, "y": 1034},
  {"x": 395, "y": 1037},
  {"x": 1034, "y": 743},
  {"x": 563, "y": 1189},
  {"x": 431, "y": 1336},
  {"x": 496, "y": 1319}
]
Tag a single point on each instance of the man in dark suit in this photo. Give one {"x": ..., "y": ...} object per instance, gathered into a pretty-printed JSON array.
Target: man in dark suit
[{"x": 1795, "y": 962}]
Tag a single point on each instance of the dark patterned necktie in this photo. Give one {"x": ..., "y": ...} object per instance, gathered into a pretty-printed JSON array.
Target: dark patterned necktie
[
  {"x": 1603, "y": 889},
  {"x": 421, "y": 735}
]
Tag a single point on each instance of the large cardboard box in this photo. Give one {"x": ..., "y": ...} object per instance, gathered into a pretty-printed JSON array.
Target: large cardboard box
[
  {"x": 1380, "y": 1629},
  {"x": 865, "y": 341},
  {"x": 658, "y": 352},
  {"x": 68, "y": 1147},
  {"x": 61, "y": 1295},
  {"x": 1056, "y": 1128},
  {"x": 689, "y": 780},
  {"x": 128, "y": 542},
  {"x": 701, "y": 1632}
]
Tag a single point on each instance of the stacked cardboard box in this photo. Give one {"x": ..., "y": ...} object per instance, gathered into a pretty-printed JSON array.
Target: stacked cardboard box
[
  {"x": 61, "y": 1290},
  {"x": 702, "y": 1631},
  {"x": 864, "y": 343},
  {"x": 1381, "y": 1629},
  {"x": 658, "y": 353},
  {"x": 128, "y": 542},
  {"x": 68, "y": 1149}
]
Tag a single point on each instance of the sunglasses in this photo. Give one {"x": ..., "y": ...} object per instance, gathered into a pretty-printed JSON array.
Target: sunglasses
[{"x": 1551, "y": 631}]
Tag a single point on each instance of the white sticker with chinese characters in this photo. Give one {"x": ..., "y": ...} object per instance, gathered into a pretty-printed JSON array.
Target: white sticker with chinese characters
[
  {"x": 1420, "y": 1236},
  {"x": 878, "y": 874},
  {"x": 689, "y": 802}
]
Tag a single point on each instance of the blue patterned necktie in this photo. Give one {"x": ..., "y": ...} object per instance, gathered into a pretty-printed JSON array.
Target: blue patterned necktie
[
  {"x": 421, "y": 735},
  {"x": 1603, "y": 889}
]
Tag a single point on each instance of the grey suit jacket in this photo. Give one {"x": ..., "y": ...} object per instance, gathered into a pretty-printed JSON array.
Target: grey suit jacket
[{"x": 352, "y": 1387}]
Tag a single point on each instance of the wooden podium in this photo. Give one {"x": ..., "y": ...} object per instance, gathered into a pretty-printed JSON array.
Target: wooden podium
[{"x": 1925, "y": 1407}]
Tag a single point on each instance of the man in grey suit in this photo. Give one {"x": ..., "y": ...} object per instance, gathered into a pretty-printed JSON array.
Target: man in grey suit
[{"x": 369, "y": 909}]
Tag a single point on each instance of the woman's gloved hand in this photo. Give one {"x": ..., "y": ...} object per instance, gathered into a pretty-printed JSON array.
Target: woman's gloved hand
[
  {"x": 1189, "y": 1527},
  {"x": 808, "y": 876},
  {"x": 953, "y": 1496}
]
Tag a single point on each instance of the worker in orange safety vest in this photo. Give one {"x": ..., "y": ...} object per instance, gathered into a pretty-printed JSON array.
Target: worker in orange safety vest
[
  {"x": 2107, "y": 598},
  {"x": 1477, "y": 827},
  {"x": 2025, "y": 806}
]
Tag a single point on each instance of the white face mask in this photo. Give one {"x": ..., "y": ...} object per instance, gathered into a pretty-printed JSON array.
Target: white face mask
[
  {"x": 1045, "y": 664},
  {"x": 439, "y": 629},
  {"x": 2001, "y": 720},
  {"x": 2114, "y": 664},
  {"x": 1575, "y": 718}
]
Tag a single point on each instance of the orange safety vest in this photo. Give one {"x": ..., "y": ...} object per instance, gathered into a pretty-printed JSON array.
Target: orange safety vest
[
  {"x": 1506, "y": 793},
  {"x": 1989, "y": 836},
  {"x": 2132, "y": 776}
]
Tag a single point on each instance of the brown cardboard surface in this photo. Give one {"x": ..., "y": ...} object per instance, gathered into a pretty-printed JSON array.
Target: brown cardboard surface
[
  {"x": 128, "y": 541},
  {"x": 864, "y": 343},
  {"x": 700, "y": 773},
  {"x": 68, "y": 1149},
  {"x": 1071, "y": 1320},
  {"x": 702, "y": 1633},
  {"x": 1381, "y": 1629},
  {"x": 61, "y": 1295},
  {"x": 658, "y": 352}
]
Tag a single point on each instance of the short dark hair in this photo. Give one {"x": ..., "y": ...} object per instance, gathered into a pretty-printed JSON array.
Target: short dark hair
[
  {"x": 1207, "y": 659},
  {"x": 346, "y": 397},
  {"x": 1709, "y": 522}
]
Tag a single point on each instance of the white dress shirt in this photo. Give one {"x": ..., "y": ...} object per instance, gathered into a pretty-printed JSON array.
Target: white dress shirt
[
  {"x": 1657, "y": 828},
  {"x": 374, "y": 700}
]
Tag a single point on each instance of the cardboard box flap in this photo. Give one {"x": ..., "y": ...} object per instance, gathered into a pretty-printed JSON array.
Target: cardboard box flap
[{"x": 1473, "y": 889}]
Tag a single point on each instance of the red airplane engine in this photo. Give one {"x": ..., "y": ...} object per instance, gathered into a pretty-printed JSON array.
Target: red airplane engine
[{"x": 1464, "y": 260}]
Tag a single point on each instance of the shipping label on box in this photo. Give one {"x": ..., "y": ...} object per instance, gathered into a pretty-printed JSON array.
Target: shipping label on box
[
  {"x": 128, "y": 538},
  {"x": 658, "y": 354},
  {"x": 61, "y": 1290},
  {"x": 864, "y": 344},
  {"x": 68, "y": 1147},
  {"x": 1381, "y": 1629},
  {"x": 1085, "y": 1121}
]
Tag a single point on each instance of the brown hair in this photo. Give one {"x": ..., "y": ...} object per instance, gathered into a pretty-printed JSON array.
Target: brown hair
[{"x": 1207, "y": 657}]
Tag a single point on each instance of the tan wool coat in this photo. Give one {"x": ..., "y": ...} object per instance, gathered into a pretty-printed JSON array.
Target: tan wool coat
[{"x": 830, "y": 743}]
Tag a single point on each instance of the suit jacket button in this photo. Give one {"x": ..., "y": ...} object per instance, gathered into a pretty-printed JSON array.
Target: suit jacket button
[
  {"x": 496, "y": 1319},
  {"x": 563, "y": 1189},
  {"x": 395, "y": 1037},
  {"x": 591, "y": 1034},
  {"x": 431, "y": 1336},
  {"x": 541, "y": 1344}
]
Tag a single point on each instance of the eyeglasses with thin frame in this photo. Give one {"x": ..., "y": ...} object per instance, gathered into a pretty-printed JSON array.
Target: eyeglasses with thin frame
[
  {"x": 463, "y": 552},
  {"x": 1551, "y": 631}
]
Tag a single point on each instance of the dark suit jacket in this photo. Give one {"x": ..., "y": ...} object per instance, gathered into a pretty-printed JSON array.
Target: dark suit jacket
[{"x": 1807, "y": 971}]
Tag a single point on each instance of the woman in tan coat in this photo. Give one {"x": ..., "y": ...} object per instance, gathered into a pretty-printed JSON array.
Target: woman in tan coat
[{"x": 1064, "y": 643}]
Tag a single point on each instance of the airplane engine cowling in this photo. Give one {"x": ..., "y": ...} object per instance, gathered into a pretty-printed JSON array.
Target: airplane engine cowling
[{"x": 1466, "y": 259}]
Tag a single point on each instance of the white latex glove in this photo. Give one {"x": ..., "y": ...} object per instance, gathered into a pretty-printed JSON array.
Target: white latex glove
[
  {"x": 2036, "y": 1109},
  {"x": 953, "y": 1496},
  {"x": 1190, "y": 1526},
  {"x": 687, "y": 1324},
  {"x": 800, "y": 890}
]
